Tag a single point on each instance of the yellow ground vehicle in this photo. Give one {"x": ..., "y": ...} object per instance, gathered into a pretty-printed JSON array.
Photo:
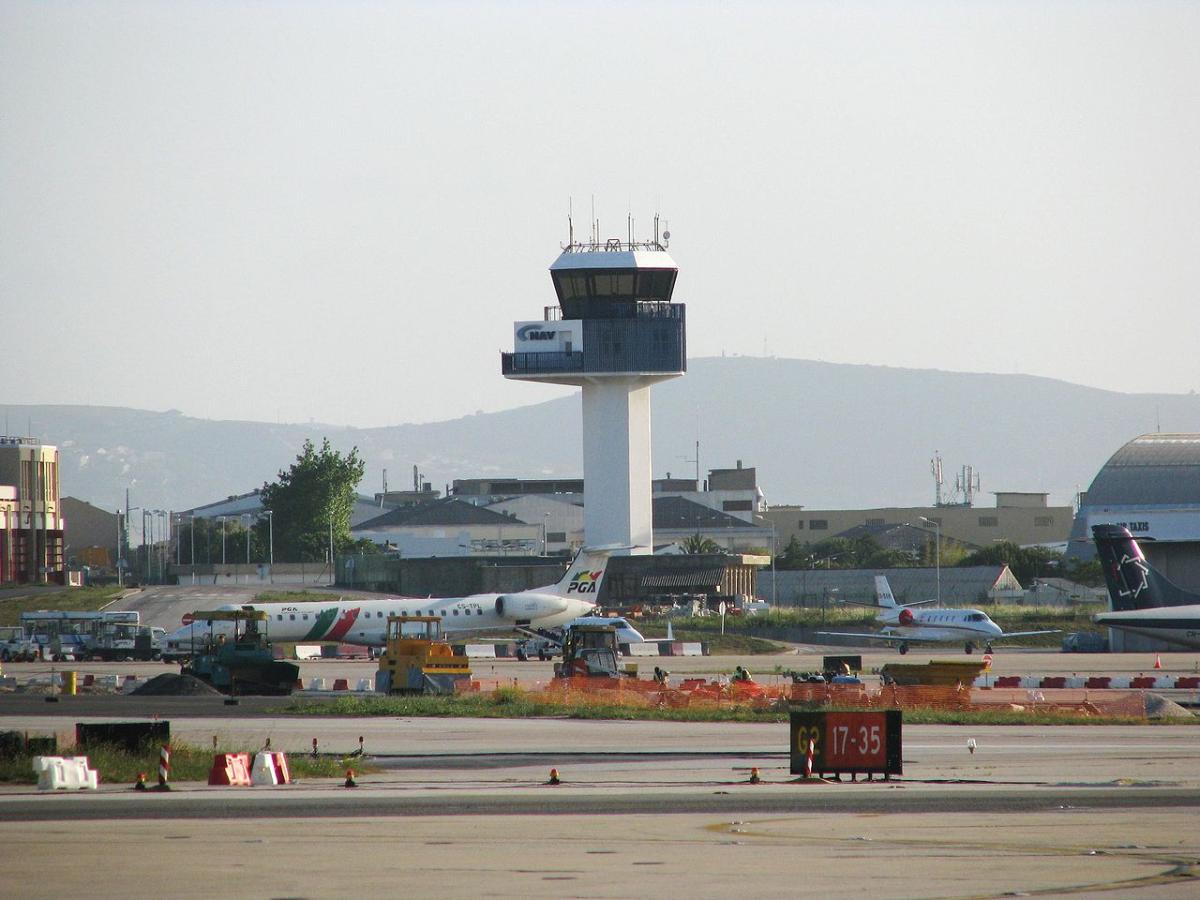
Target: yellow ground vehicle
[{"x": 418, "y": 660}]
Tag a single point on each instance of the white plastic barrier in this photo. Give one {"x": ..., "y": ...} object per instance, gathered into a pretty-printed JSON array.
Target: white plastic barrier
[
  {"x": 308, "y": 651},
  {"x": 481, "y": 651},
  {"x": 317, "y": 684},
  {"x": 692, "y": 648},
  {"x": 1120, "y": 681},
  {"x": 270, "y": 768},
  {"x": 62, "y": 773},
  {"x": 110, "y": 682},
  {"x": 649, "y": 648},
  {"x": 365, "y": 684}
]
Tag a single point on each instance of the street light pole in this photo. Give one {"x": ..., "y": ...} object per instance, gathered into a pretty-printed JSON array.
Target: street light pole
[
  {"x": 270, "y": 513},
  {"x": 774, "y": 584},
  {"x": 192, "y": 537},
  {"x": 937, "y": 553},
  {"x": 222, "y": 518}
]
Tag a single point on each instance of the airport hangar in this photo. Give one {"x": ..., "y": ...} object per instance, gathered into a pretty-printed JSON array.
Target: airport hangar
[{"x": 1152, "y": 487}]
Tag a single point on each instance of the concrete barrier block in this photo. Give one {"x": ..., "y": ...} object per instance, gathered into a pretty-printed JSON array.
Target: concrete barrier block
[
  {"x": 691, "y": 648},
  {"x": 316, "y": 684},
  {"x": 481, "y": 651}
]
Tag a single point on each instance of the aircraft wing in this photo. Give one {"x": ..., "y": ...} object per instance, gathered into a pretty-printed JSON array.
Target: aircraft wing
[
  {"x": 1013, "y": 634},
  {"x": 875, "y": 637}
]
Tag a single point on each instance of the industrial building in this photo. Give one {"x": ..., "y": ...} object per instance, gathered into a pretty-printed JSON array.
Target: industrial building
[
  {"x": 1022, "y": 518},
  {"x": 1151, "y": 486},
  {"x": 31, "y": 534}
]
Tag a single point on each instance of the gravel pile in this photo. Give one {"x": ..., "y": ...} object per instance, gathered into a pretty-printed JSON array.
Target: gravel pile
[{"x": 170, "y": 685}]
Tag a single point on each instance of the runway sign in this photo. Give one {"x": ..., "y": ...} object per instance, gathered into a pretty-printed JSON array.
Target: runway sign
[{"x": 852, "y": 743}]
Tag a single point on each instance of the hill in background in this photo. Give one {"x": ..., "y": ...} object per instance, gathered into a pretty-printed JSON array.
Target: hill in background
[{"x": 820, "y": 434}]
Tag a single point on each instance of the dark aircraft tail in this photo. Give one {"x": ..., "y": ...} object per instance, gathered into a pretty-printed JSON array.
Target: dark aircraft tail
[{"x": 1132, "y": 582}]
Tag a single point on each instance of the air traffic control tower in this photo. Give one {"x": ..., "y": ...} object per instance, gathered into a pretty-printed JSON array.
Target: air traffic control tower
[{"x": 614, "y": 333}]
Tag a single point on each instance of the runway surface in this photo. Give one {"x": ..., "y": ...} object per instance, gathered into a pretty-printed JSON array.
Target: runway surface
[{"x": 647, "y": 809}]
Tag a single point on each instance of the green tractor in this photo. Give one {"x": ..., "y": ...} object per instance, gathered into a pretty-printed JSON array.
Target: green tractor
[{"x": 236, "y": 657}]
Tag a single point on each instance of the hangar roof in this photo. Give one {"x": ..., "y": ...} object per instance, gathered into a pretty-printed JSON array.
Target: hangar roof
[{"x": 1150, "y": 470}]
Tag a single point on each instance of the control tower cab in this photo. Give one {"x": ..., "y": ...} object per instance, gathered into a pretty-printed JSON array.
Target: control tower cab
[{"x": 614, "y": 333}]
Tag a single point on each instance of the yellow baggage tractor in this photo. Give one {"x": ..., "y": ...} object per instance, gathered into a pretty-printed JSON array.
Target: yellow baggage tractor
[{"x": 418, "y": 660}]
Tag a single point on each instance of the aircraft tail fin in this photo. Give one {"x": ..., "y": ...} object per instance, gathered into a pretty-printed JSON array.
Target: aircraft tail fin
[
  {"x": 883, "y": 593},
  {"x": 1132, "y": 582},
  {"x": 585, "y": 574}
]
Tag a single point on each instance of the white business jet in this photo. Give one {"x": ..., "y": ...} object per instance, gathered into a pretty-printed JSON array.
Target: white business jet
[{"x": 904, "y": 625}]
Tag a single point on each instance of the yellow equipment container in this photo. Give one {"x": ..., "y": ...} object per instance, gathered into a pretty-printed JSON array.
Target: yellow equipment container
[
  {"x": 418, "y": 660},
  {"x": 935, "y": 672}
]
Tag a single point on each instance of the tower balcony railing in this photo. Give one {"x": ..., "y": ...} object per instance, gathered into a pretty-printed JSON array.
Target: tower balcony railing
[
  {"x": 611, "y": 346},
  {"x": 540, "y": 363}
]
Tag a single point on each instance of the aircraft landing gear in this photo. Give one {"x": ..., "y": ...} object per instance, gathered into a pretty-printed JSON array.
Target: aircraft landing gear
[
  {"x": 987, "y": 648},
  {"x": 903, "y": 648},
  {"x": 970, "y": 647}
]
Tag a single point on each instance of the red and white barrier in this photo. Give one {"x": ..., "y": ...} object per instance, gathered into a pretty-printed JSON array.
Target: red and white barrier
[{"x": 230, "y": 770}]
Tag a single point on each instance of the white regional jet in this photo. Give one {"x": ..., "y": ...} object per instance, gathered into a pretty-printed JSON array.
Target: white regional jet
[
  {"x": 904, "y": 625},
  {"x": 364, "y": 622}
]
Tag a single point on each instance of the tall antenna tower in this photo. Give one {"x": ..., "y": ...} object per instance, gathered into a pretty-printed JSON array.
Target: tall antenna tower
[
  {"x": 935, "y": 469},
  {"x": 966, "y": 483}
]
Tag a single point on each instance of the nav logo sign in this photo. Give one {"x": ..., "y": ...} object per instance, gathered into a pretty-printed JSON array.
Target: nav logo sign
[
  {"x": 584, "y": 583},
  {"x": 534, "y": 333},
  {"x": 1133, "y": 572}
]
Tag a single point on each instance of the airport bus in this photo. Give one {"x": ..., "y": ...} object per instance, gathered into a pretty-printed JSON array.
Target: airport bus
[{"x": 69, "y": 634}]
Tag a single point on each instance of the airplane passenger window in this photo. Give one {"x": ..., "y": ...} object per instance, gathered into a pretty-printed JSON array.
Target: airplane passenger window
[
  {"x": 280, "y": 617},
  {"x": 292, "y": 617},
  {"x": 456, "y": 612},
  {"x": 305, "y": 617}
]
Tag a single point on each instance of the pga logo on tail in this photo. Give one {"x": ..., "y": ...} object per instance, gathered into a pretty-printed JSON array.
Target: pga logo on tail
[{"x": 584, "y": 583}]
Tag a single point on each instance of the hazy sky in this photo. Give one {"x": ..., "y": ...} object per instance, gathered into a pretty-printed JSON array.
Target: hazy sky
[{"x": 336, "y": 210}]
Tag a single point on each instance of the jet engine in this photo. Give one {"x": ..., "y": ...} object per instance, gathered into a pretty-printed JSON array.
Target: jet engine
[{"x": 526, "y": 607}]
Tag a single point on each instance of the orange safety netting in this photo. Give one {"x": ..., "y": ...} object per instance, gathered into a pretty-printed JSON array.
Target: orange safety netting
[{"x": 700, "y": 693}]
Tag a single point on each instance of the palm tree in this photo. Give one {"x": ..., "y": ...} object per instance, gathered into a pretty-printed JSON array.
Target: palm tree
[{"x": 697, "y": 544}]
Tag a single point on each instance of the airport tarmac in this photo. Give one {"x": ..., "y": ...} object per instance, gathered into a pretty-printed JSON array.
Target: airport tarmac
[{"x": 646, "y": 809}]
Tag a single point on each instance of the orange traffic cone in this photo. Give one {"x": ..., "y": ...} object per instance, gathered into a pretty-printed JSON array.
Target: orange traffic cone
[
  {"x": 754, "y": 777},
  {"x": 350, "y": 782},
  {"x": 554, "y": 779},
  {"x": 1157, "y": 661}
]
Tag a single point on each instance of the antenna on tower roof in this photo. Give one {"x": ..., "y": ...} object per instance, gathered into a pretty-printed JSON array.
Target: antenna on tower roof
[{"x": 570, "y": 224}]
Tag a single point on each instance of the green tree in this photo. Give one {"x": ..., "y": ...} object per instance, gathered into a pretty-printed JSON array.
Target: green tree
[
  {"x": 1027, "y": 563},
  {"x": 313, "y": 496},
  {"x": 698, "y": 543}
]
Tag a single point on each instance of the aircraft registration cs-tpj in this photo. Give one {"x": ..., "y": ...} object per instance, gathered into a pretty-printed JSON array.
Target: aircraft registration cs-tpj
[{"x": 364, "y": 622}]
